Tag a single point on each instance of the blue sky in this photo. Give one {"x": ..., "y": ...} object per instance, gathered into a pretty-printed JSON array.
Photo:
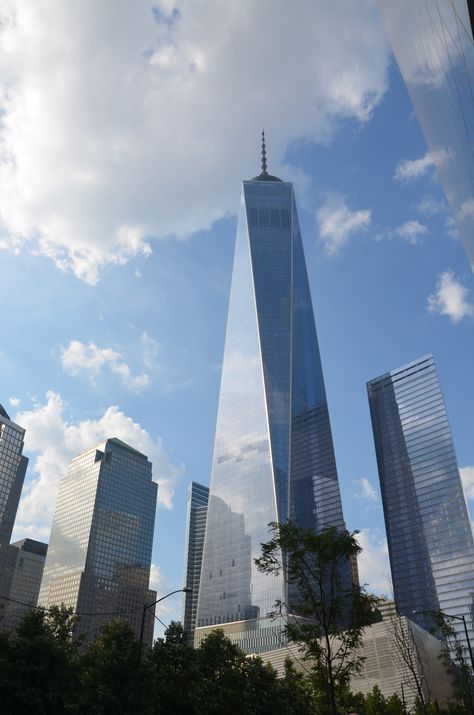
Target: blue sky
[{"x": 120, "y": 170}]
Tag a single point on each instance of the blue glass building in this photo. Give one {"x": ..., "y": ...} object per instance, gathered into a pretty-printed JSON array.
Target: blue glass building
[
  {"x": 273, "y": 453},
  {"x": 434, "y": 47},
  {"x": 198, "y": 497},
  {"x": 429, "y": 533},
  {"x": 99, "y": 554},
  {"x": 12, "y": 473}
]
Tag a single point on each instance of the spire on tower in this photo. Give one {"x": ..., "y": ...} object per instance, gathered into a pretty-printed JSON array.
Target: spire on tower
[
  {"x": 264, "y": 154},
  {"x": 265, "y": 176}
]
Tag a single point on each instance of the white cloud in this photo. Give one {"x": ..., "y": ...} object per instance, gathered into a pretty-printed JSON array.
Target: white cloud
[
  {"x": 450, "y": 298},
  {"x": 14, "y": 401},
  {"x": 366, "y": 490},
  {"x": 415, "y": 168},
  {"x": 127, "y": 123},
  {"x": 374, "y": 567},
  {"x": 467, "y": 478},
  {"x": 467, "y": 209},
  {"x": 150, "y": 350},
  {"x": 30, "y": 531},
  {"x": 411, "y": 230},
  {"x": 337, "y": 222},
  {"x": 89, "y": 359},
  {"x": 54, "y": 441},
  {"x": 451, "y": 228},
  {"x": 429, "y": 206}
]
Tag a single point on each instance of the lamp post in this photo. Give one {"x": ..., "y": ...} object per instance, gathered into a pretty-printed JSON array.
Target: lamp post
[
  {"x": 457, "y": 618},
  {"x": 149, "y": 605}
]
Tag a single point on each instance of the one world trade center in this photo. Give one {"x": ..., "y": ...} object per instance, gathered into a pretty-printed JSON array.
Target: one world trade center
[{"x": 273, "y": 453}]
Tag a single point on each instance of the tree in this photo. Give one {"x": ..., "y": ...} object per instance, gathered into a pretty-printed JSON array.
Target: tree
[
  {"x": 297, "y": 696},
  {"x": 328, "y": 613},
  {"x": 175, "y": 673},
  {"x": 377, "y": 704},
  {"x": 222, "y": 681},
  {"x": 38, "y": 672},
  {"x": 455, "y": 660},
  {"x": 404, "y": 644},
  {"x": 112, "y": 680}
]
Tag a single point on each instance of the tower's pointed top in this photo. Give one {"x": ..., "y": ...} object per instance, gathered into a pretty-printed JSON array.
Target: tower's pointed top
[
  {"x": 265, "y": 176},
  {"x": 264, "y": 154}
]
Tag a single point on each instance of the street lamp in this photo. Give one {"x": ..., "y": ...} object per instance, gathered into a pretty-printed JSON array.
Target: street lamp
[
  {"x": 149, "y": 605},
  {"x": 457, "y": 618}
]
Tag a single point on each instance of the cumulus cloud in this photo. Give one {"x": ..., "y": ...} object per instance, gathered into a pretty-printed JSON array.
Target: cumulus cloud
[
  {"x": 374, "y": 567},
  {"x": 415, "y": 168},
  {"x": 133, "y": 121},
  {"x": 54, "y": 441},
  {"x": 467, "y": 478},
  {"x": 337, "y": 222},
  {"x": 450, "y": 298},
  {"x": 429, "y": 206},
  {"x": 89, "y": 359},
  {"x": 366, "y": 490},
  {"x": 411, "y": 230}
]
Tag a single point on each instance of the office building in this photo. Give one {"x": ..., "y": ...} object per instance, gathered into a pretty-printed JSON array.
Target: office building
[
  {"x": 400, "y": 658},
  {"x": 99, "y": 553},
  {"x": 12, "y": 473},
  {"x": 429, "y": 533},
  {"x": 273, "y": 453},
  {"x": 434, "y": 48},
  {"x": 198, "y": 497},
  {"x": 25, "y": 581}
]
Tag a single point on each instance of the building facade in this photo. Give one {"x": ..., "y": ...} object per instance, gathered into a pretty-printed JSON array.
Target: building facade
[
  {"x": 429, "y": 533},
  {"x": 198, "y": 498},
  {"x": 25, "y": 581},
  {"x": 434, "y": 48},
  {"x": 273, "y": 453},
  {"x": 99, "y": 554},
  {"x": 12, "y": 473},
  {"x": 400, "y": 658}
]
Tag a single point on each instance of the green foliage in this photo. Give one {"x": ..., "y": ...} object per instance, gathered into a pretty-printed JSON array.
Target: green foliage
[
  {"x": 43, "y": 672},
  {"x": 175, "y": 681},
  {"x": 377, "y": 704},
  {"x": 455, "y": 658},
  {"x": 38, "y": 671},
  {"x": 331, "y": 614},
  {"x": 221, "y": 667},
  {"x": 112, "y": 680}
]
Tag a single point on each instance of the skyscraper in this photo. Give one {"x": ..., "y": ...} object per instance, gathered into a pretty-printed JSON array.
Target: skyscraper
[
  {"x": 434, "y": 48},
  {"x": 25, "y": 581},
  {"x": 99, "y": 554},
  {"x": 273, "y": 453},
  {"x": 12, "y": 473},
  {"x": 429, "y": 534},
  {"x": 198, "y": 497}
]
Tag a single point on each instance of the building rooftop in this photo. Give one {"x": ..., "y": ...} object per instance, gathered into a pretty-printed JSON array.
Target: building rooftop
[{"x": 3, "y": 412}]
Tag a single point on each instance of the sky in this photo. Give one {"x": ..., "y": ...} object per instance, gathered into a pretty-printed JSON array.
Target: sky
[{"x": 126, "y": 129}]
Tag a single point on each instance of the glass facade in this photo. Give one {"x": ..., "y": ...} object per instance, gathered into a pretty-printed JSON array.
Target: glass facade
[
  {"x": 198, "y": 498},
  {"x": 12, "y": 473},
  {"x": 27, "y": 572},
  {"x": 273, "y": 452},
  {"x": 429, "y": 533},
  {"x": 434, "y": 48},
  {"x": 99, "y": 554}
]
